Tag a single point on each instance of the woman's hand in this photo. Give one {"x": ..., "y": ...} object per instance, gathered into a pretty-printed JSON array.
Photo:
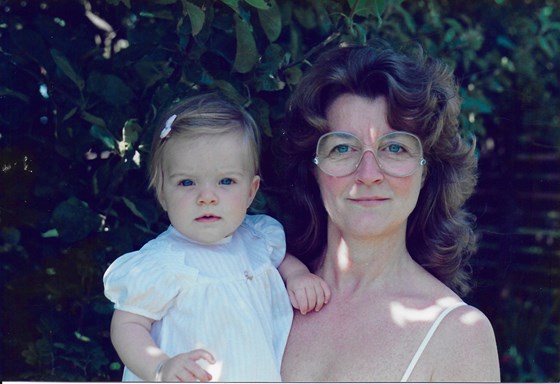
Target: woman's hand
[{"x": 184, "y": 367}]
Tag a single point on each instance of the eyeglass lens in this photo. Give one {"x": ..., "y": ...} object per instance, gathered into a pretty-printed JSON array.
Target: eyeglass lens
[{"x": 397, "y": 153}]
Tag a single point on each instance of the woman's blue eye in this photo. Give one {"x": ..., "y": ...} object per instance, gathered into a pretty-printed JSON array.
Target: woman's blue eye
[
  {"x": 394, "y": 148},
  {"x": 226, "y": 181},
  {"x": 342, "y": 148},
  {"x": 186, "y": 183}
]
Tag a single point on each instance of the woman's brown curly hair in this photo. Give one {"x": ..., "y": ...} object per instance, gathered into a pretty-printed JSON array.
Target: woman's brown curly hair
[{"x": 422, "y": 98}]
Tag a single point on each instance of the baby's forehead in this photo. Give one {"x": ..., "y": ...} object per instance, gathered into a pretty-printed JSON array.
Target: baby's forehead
[
  {"x": 214, "y": 147},
  {"x": 235, "y": 138}
]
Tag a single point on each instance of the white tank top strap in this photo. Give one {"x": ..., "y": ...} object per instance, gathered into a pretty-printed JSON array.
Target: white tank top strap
[{"x": 427, "y": 339}]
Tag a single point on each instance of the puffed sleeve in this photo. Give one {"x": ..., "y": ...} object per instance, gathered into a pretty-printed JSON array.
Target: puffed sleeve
[
  {"x": 146, "y": 283},
  {"x": 273, "y": 234}
]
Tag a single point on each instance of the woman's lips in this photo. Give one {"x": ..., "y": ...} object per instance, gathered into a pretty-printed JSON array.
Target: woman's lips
[{"x": 373, "y": 200}]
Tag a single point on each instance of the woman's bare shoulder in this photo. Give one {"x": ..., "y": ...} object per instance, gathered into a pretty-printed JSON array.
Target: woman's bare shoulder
[
  {"x": 468, "y": 323},
  {"x": 465, "y": 347}
]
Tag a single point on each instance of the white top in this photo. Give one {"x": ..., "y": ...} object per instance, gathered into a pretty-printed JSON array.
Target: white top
[
  {"x": 427, "y": 339},
  {"x": 227, "y": 298}
]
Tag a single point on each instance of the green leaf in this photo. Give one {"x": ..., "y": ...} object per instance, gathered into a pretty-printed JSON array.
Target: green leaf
[
  {"x": 152, "y": 71},
  {"x": 130, "y": 133},
  {"x": 10, "y": 235},
  {"x": 366, "y": 8},
  {"x": 229, "y": 90},
  {"x": 544, "y": 44},
  {"x": 81, "y": 337},
  {"x": 293, "y": 75},
  {"x": 306, "y": 17},
  {"x": 37, "y": 353},
  {"x": 104, "y": 135},
  {"x": 196, "y": 16},
  {"x": 271, "y": 21},
  {"x": 408, "y": 18},
  {"x": 271, "y": 61},
  {"x": 476, "y": 105},
  {"x": 133, "y": 208},
  {"x": 111, "y": 88},
  {"x": 64, "y": 65},
  {"x": 259, "y": 4},
  {"x": 275, "y": 55},
  {"x": 379, "y": 7},
  {"x": 74, "y": 220},
  {"x": 551, "y": 26},
  {"x": 96, "y": 120},
  {"x": 70, "y": 113},
  {"x": 449, "y": 35},
  {"x": 50, "y": 233},
  {"x": 18, "y": 95},
  {"x": 261, "y": 111},
  {"x": 142, "y": 209},
  {"x": 506, "y": 42},
  {"x": 269, "y": 82},
  {"x": 453, "y": 24},
  {"x": 30, "y": 43},
  {"x": 164, "y": 14},
  {"x": 246, "y": 55},
  {"x": 233, "y": 4}
]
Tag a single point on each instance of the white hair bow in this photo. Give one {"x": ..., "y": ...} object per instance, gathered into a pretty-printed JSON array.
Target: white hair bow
[{"x": 167, "y": 128}]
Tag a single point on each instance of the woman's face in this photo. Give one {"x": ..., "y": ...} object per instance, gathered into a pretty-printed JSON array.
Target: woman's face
[{"x": 366, "y": 203}]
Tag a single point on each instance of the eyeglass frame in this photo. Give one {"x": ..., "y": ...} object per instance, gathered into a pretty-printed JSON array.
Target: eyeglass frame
[{"x": 370, "y": 148}]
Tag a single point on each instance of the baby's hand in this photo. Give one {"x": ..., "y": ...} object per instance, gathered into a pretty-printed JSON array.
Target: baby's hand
[
  {"x": 184, "y": 367},
  {"x": 307, "y": 292}
]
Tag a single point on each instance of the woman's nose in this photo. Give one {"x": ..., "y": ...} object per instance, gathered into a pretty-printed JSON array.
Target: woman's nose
[
  {"x": 368, "y": 171},
  {"x": 207, "y": 197}
]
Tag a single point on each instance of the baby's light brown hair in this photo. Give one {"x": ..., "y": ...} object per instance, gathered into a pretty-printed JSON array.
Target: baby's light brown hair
[{"x": 201, "y": 115}]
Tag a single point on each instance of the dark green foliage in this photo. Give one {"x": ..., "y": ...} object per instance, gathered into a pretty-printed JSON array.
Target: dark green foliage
[{"x": 82, "y": 83}]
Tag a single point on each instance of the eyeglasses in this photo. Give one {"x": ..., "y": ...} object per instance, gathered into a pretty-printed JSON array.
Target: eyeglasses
[{"x": 397, "y": 153}]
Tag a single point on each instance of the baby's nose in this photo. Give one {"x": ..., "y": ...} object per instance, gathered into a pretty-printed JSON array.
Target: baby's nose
[{"x": 207, "y": 197}]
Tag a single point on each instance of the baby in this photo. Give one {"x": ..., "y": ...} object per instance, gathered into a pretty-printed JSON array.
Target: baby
[{"x": 206, "y": 299}]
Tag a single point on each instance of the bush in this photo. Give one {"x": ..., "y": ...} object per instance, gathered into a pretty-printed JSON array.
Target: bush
[{"x": 83, "y": 82}]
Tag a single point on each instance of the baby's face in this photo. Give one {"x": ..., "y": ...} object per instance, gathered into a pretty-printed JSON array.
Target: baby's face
[{"x": 208, "y": 184}]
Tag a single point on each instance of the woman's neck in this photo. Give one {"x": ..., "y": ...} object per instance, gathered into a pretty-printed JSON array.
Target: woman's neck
[{"x": 353, "y": 263}]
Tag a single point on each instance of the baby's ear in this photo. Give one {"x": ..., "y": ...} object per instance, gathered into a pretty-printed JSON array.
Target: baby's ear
[
  {"x": 255, "y": 184},
  {"x": 161, "y": 200}
]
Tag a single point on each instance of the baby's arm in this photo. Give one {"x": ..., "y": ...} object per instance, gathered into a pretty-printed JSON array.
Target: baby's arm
[
  {"x": 306, "y": 290},
  {"x": 130, "y": 334}
]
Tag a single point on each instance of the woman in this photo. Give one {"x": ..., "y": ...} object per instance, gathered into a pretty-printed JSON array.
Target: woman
[{"x": 378, "y": 177}]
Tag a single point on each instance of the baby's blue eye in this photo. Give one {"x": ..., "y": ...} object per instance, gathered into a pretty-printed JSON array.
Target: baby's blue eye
[
  {"x": 186, "y": 183},
  {"x": 226, "y": 181}
]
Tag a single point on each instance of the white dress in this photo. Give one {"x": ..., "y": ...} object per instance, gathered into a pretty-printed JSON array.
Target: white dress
[{"x": 227, "y": 298}]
